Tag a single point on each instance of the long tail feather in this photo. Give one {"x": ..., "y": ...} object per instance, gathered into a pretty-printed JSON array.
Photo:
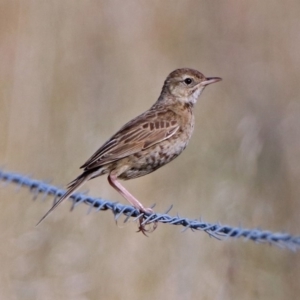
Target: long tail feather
[{"x": 72, "y": 188}]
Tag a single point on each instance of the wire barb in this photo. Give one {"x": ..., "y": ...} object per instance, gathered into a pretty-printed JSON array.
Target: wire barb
[{"x": 218, "y": 231}]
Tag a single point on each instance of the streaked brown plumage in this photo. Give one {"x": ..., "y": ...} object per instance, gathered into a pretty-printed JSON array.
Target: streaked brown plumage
[{"x": 150, "y": 140}]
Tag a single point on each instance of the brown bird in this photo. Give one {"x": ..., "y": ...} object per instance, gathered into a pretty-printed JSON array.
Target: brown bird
[{"x": 150, "y": 140}]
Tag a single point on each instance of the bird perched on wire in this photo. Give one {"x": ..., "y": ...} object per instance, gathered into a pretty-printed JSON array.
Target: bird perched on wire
[{"x": 148, "y": 141}]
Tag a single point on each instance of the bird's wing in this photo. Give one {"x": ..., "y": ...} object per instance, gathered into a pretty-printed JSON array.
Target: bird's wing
[{"x": 141, "y": 133}]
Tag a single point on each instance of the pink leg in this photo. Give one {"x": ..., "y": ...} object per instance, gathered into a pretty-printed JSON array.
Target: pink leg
[{"x": 112, "y": 179}]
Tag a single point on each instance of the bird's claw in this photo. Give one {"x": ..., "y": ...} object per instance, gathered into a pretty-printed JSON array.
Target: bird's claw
[{"x": 142, "y": 227}]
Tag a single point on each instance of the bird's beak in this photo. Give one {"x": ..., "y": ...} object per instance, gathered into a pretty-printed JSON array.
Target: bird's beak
[{"x": 210, "y": 80}]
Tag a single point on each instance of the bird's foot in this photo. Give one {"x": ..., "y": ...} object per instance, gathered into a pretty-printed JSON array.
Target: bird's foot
[{"x": 148, "y": 227}]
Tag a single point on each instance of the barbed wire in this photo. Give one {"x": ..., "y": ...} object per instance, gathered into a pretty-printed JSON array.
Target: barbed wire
[{"x": 216, "y": 230}]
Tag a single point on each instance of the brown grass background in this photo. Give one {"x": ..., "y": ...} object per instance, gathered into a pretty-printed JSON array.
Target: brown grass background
[{"x": 73, "y": 72}]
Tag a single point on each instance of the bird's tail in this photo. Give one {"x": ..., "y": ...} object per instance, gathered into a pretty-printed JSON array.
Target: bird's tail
[{"x": 71, "y": 189}]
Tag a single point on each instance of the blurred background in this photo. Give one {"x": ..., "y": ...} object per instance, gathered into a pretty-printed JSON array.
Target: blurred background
[{"x": 73, "y": 72}]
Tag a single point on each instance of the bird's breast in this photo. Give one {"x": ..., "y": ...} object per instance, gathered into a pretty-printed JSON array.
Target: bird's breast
[
  {"x": 150, "y": 159},
  {"x": 156, "y": 156}
]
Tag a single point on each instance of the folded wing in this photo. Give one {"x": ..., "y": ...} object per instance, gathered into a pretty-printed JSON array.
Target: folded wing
[{"x": 139, "y": 134}]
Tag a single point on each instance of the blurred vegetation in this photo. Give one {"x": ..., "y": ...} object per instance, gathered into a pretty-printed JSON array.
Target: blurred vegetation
[{"x": 73, "y": 72}]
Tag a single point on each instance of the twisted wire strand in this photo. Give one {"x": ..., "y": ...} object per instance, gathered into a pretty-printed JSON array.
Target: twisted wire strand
[{"x": 216, "y": 230}]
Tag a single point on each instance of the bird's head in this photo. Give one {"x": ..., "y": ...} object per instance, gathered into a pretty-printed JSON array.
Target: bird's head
[{"x": 186, "y": 84}]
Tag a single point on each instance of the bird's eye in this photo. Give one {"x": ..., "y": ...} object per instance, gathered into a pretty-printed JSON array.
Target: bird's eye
[{"x": 188, "y": 81}]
